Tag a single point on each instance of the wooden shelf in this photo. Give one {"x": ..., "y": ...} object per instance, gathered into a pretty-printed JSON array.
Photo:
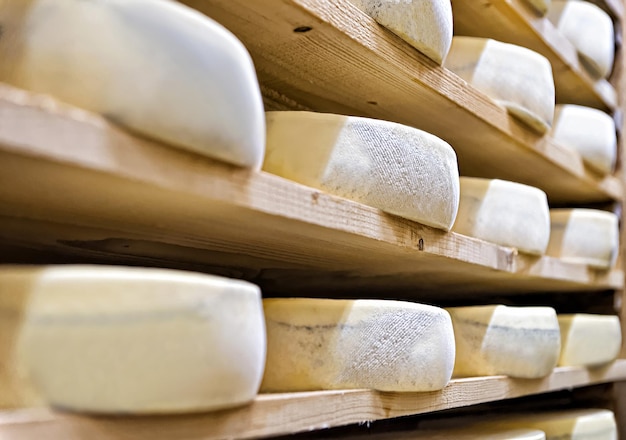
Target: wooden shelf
[
  {"x": 277, "y": 414},
  {"x": 516, "y": 22},
  {"x": 347, "y": 63},
  {"x": 72, "y": 184}
]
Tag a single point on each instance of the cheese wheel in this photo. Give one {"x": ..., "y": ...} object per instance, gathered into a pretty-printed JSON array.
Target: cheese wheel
[
  {"x": 154, "y": 66},
  {"x": 424, "y": 24},
  {"x": 398, "y": 169},
  {"x": 584, "y": 236},
  {"x": 589, "y": 131},
  {"x": 589, "y": 340},
  {"x": 315, "y": 344},
  {"x": 16, "y": 390},
  {"x": 515, "y": 77},
  {"x": 589, "y": 29},
  {"x": 505, "y": 213},
  {"x": 587, "y": 424},
  {"x": 540, "y": 6},
  {"x": 519, "y": 342},
  {"x": 128, "y": 340}
]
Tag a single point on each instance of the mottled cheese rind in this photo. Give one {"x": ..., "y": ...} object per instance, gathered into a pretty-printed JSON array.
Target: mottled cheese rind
[
  {"x": 392, "y": 167},
  {"x": 316, "y": 344},
  {"x": 130, "y": 340},
  {"x": 521, "y": 342},
  {"x": 156, "y": 67},
  {"x": 505, "y": 213},
  {"x": 589, "y": 340},
  {"x": 424, "y": 24},
  {"x": 589, "y": 29},
  {"x": 515, "y": 77},
  {"x": 589, "y": 131},
  {"x": 584, "y": 236}
]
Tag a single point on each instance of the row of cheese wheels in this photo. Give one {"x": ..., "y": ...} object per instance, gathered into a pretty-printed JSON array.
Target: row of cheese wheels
[
  {"x": 168, "y": 72},
  {"x": 131, "y": 340}
]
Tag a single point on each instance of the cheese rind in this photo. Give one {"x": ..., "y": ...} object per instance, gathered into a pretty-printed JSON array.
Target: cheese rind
[
  {"x": 337, "y": 344},
  {"x": 424, "y": 24},
  {"x": 584, "y": 236},
  {"x": 589, "y": 340},
  {"x": 589, "y": 29},
  {"x": 515, "y": 77},
  {"x": 399, "y": 169},
  {"x": 505, "y": 213},
  {"x": 519, "y": 342},
  {"x": 589, "y": 131},
  {"x": 124, "y": 340},
  {"x": 154, "y": 66}
]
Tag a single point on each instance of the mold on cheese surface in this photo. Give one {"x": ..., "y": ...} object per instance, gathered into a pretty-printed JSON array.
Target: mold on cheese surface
[
  {"x": 133, "y": 340},
  {"x": 589, "y": 131},
  {"x": 589, "y": 29},
  {"x": 389, "y": 166},
  {"x": 318, "y": 344},
  {"x": 589, "y": 340},
  {"x": 515, "y": 77},
  {"x": 505, "y": 213},
  {"x": 521, "y": 342},
  {"x": 584, "y": 236},
  {"x": 424, "y": 24},
  {"x": 156, "y": 67}
]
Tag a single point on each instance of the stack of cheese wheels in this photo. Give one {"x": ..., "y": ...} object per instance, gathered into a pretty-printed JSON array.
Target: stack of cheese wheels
[
  {"x": 515, "y": 77},
  {"x": 589, "y": 29},
  {"x": 424, "y": 24},
  {"x": 505, "y": 213},
  {"x": 519, "y": 342},
  {"x": 589, "y": 131},
  {"x": 317, "y": 344},
  {"x": 585, "y": 236},
  {"x": 128, "y": 340},
  {"x": 589, "y": 340},
  {"x": 154, "y": 66},
  {"x": 398, "y": 169},
  {"x": 586, "y": 424}
]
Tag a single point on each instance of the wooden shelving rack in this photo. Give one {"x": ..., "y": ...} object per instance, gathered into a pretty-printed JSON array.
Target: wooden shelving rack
[{"x": 74, "y": 188}]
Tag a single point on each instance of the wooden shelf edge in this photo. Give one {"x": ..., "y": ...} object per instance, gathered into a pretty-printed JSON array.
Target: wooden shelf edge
[{"x": 279, "y": 414}]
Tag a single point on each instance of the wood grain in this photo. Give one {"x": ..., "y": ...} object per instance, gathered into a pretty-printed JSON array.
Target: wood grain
[
  {"x": 346, "y": 63},
  {"x": 72, "y": 184},
  {"x": 276, "y": 414}
]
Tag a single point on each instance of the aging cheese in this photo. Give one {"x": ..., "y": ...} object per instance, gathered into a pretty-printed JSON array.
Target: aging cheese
[
  {"x": 505, "y": 213},
  {"x": 122, "y": 340},
  {"x": 154, "y": 66},
  {"x": 585, "y": 236},
  {"x": 589, "y": 340},
  {"x": 424, "y": 24},
  {"x": 399, "y": 169},
  {"x": 519, "y": 342},
  {"x": 587, "y": 424},
  {"x": 589, "y": 131},
  {"x": 589, "y": 29},
  {"x": 315, "y": 344},
  {"x": 515, "y": 77}
]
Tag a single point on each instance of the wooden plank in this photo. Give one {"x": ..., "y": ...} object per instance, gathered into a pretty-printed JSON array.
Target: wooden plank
[
  {"x": 277, "y": 414},
  {"x": 73, "y": 184},
  {"x": 516, "y": 22},
  {"x": 347, "y": 63}
]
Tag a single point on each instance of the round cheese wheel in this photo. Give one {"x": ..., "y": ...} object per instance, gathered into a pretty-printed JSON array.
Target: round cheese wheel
[
  {"x": 505, "y": 213},
  {"x": 519, "y": 342},
  {"x": 317, "y": 344},
  {"x": 513, "y": 76},
  {"x": 131, "y": 340},
  {"x": 399, "y": 169},
  {"x": 584, "y": 236},
  {"x": 589, "y": 340},
  {"x": 154, "y": 66},
  {"x": 424, "y": 24}
]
